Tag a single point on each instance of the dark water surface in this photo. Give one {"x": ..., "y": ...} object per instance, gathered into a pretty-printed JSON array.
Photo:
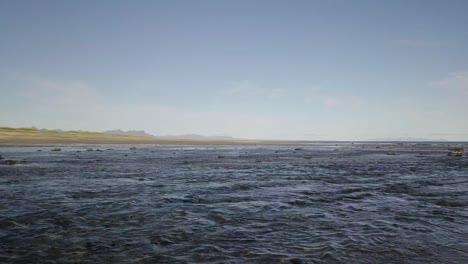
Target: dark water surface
[{"x": 234, "y": 204}]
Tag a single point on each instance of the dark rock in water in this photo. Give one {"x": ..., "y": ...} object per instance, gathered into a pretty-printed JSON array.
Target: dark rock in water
[
  {"x": 133, "y": 148},
  {"x": 10, "y": 162},
  {"x": 295, "y": 261},
  {"x": 458, "y": 152},
  {"x": 39, "y": 150},
  {"x": 98, "y": 150},
  {"x": 1, "y": 157},
  {"x": 90, "y": 149},
  {"x": 391, "y": 153},
  {"x": 220, "y": 157},
  {"x": 56, "y": 149},
  {"x": 291, "y": 261},
  {"x": 298, "y": 149}
]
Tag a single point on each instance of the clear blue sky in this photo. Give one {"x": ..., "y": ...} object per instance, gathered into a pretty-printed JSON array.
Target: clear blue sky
[{"x": 347, "y": 70}]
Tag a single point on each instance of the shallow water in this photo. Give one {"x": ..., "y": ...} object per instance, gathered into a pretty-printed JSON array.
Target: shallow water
[{"x": 234, "y": 204}]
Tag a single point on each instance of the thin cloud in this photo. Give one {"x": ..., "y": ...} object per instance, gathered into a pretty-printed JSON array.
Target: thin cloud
[
  {"x": 242, "y": 88},
  {"x": 455, "y": 82},
  {"x": 414, "y": 43},
  {"x": 336, "y": 101},
  {"x": 57, "y": 92},
  {"x": 247, "y": 88},
  {"x": 331, "y": 101},
  {"x": 276, "y": 93},
  {"x": 76, "y": 105}
]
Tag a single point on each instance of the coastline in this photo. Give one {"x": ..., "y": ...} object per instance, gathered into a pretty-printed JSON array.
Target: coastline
[
  {"x": 30, "y": 136},
  {"x": 23, "y": 136}
]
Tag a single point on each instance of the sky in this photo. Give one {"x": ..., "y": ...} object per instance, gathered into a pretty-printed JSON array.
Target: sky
[{"x": 312, "y": 70}]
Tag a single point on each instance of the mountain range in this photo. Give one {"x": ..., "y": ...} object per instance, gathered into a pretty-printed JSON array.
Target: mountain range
[{"x": 185, "y": 136}]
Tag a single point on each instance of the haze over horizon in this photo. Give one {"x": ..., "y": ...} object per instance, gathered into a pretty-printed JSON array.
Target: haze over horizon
[{"x": 300, "y": 70}]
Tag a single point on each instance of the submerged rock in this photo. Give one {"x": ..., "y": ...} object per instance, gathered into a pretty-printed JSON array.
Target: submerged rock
[
  {"x": 8, "y": 162},
  {"x": 133, "y": 148},
  {"x": 11, "y": 162},
  {"x": 56, "y": 149},
  {"x": 456, "y": 152},
  {"x": 90, "y": 149},
  {"x": 391, "y": 153}
]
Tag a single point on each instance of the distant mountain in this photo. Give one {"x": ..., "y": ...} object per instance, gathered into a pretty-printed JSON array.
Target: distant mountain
[
  {"x": 408, "y": 139},
  {"x": 141, "y": 133},
  {"x": 196, "y": 137},
  {"x": 185, "y": 136}
]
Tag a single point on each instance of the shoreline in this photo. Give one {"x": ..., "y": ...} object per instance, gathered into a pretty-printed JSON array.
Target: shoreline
[
  {"x": 21, "y": 136},
  {"x": 29, "y": 136}
]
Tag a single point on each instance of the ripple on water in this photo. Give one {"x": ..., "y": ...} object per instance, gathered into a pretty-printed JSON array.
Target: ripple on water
[{"x": 268, "y": 204}]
